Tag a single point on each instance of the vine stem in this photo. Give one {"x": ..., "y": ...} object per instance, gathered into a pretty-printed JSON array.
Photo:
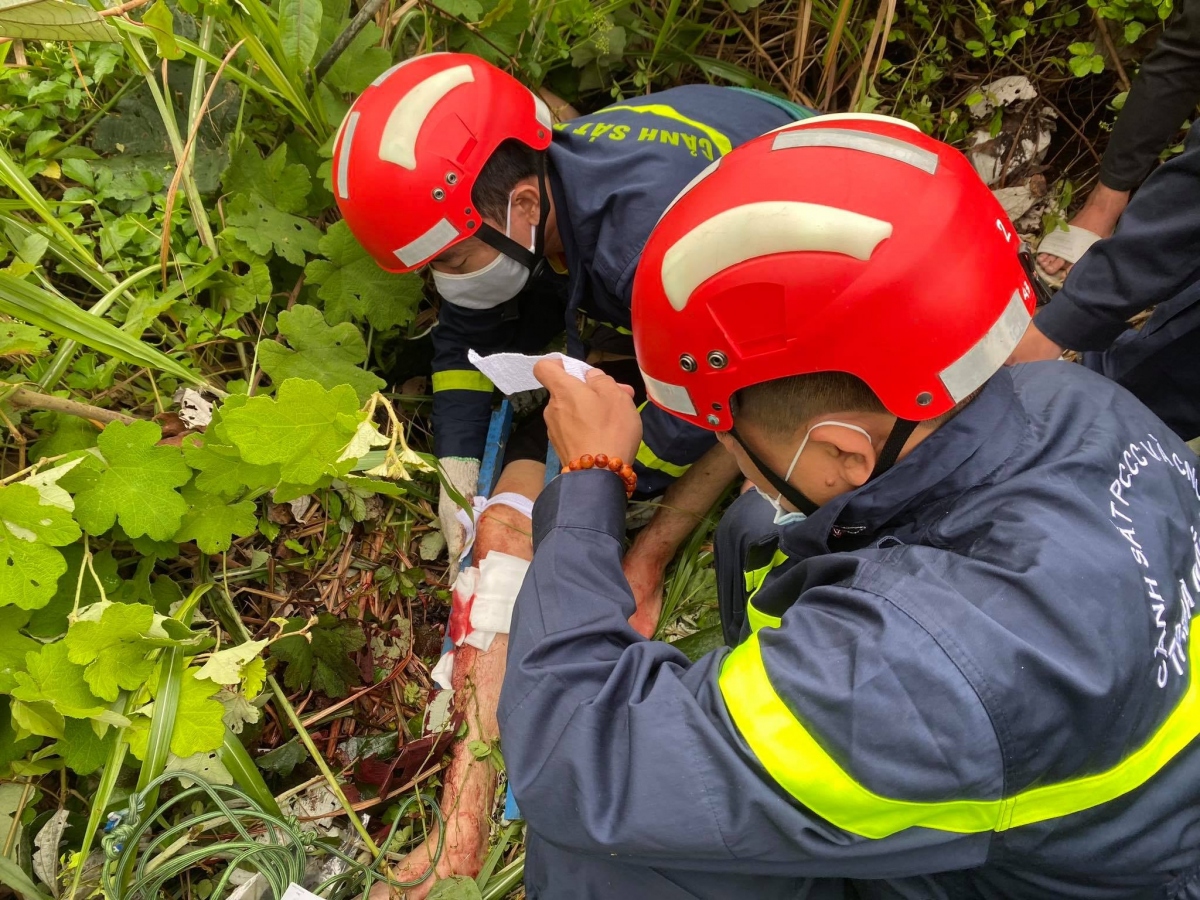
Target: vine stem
[{"x": 27, "y": 399}]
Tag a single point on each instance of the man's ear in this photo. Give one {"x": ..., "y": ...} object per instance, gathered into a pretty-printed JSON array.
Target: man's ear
[
  {"x": 528, "y": 199},
  {"x": 853, "y": 454}
]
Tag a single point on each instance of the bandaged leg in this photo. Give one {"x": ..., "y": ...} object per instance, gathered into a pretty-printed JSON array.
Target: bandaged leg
[{"x": 470, "y": 783}]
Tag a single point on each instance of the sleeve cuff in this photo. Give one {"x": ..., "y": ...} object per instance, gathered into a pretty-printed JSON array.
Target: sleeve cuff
[
  {"x": 592, "y": 500},
  {"x": 1072, "y": 327}
]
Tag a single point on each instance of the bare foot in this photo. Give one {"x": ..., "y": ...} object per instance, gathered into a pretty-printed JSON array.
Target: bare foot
[
  {"x": 470, "y": 783},
  {"x": 1099, "y": 216}
]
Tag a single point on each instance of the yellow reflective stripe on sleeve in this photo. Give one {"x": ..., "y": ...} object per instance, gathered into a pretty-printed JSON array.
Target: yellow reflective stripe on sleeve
[
  {"x": 759, "y": 619},
  {"x": 798, "y": 763},
  {"x": 754, "y": 581},
  {"x": 650, "y": 460},
  {"x": 461, "y": 380},
  {"x": 756, "y": 577},
  {"x": 720, "y": 141}
]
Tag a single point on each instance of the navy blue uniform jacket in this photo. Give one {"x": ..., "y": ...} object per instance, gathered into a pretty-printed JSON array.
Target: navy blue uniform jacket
[
  {"x": 1153, "y": 259},
  {"x": 612, "y": 175},
  {"x": 979, "y": 680}
]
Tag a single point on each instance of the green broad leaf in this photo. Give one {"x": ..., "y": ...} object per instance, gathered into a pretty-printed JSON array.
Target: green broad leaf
[
  {"x": 161, "y": 22},
  {"x": 37, "y": 306},
  {"x": 199, "y": 725},
  {"x": 53, "y": 20},
  {"x": 10, "y": 748},
  {"x": 53, "y": 679},
  {"x": 456, "y": 887},
  {"x": 245, "y": 293},
  {"x": 30, "y": 566},
  {"x": 265, "y": 229},
  {"x": 302, "y": 430},
  {"x": 363, "y": 61},
  {"x": 113, "y": 649},
  {"x": 254, "y": 677},
  {"x": 467, "y": 10},
  {"x": 137, "y": 486},
  {"x": 212, "y": 523},
  {"x": 354, "y": 287},
  {"x": 205, "y": 766},
  {"x": 374, "y": 485},
  {"x": 50, "y": 621},
  {"x": 220, "y": 468},
  {"x": 327, "y": 355},
  {"x": 37, "y": 717},
  {"x": 284, "y": 185},
  {"x": 299, "y": 30},
  {"x": 22, "y": 340},
  {"x": 14, "y": 877},
  {"x": 321, "y": 659},
  {"x": 61, "y": 434},
  {"x": 239, "y": 712},
  {"x": 226, "y": 666},
  {"x": 13, "y": 645},
  {"x": 82, "y": 749},
  {"x": 701, "y": 642},
  {"x": 283, "y": 759}
]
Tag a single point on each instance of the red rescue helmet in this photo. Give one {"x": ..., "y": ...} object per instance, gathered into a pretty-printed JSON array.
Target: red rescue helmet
[
  {"x": 844, "y": 243},
  {"x": 409, "y": 151}
]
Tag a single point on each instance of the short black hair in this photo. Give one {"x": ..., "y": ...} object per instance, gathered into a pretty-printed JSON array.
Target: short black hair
[
  {"x": 511, "y": 162},
  {"x": 779, "y": 406}
]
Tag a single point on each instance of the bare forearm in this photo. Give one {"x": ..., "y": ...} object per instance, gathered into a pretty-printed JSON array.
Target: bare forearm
[{"x": 684, "y": 506}]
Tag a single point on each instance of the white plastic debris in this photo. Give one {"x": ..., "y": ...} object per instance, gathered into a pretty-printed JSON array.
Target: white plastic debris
[
  {"x": 1003, "y": 92},
  {"x": 194, "y": 409}
]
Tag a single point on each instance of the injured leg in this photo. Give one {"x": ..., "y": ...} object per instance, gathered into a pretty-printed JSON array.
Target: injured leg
[{"x": 469, "y": 790}]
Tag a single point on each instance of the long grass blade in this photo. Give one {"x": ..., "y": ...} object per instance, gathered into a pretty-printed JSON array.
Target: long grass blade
[
  {"x": 48, "y": 311},
  {"x": 246, "y": 775},
  {"x": 162, "y": 723},
  {"x": 15, "y": 180},
  {"x": 12, "y": 875}
]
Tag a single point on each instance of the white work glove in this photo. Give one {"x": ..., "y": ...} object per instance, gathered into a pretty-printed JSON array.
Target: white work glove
[{"x": 463, "y": 475}]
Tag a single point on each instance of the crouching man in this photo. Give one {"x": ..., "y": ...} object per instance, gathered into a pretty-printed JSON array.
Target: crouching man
[{"x": 961, "y": 594}]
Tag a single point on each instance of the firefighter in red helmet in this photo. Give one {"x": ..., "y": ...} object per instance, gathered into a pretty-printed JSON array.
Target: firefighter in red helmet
[
  {"x": 958, "y": 600},
  {"x": 529, "y": 227}
]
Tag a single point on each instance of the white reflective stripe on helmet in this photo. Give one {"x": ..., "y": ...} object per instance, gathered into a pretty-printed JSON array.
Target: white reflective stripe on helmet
[
  {"x": 428, "y": 245},
  {"x": 542, "y": 112},
  {"x": 845, "y": 117},
  {"x": 400, "y": 65},
  {"x": 399, "y": 141},
  {"x": 343, "y": 170},
  {"x": 984, "y": 360},
  {"x": 865, "y": 141},
  {"x": 674, "y": 397},
  {"x": 762, "y": 229}
]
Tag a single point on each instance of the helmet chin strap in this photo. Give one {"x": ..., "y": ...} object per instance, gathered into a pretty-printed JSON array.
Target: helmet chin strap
[
  {"x": 534, "y": 260},
  {"x": 901, "y": 430}
]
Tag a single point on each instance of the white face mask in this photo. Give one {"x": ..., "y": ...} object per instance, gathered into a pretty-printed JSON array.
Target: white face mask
[
  {"x": 497, "y": 282},
  {"x": 788, "y": 517}
]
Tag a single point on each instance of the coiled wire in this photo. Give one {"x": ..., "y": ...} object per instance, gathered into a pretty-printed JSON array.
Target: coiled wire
[{"x": 138, "y": 866}]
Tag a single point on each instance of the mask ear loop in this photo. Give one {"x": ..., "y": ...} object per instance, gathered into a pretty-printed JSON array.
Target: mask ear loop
[{"x": 901, "y": 431}]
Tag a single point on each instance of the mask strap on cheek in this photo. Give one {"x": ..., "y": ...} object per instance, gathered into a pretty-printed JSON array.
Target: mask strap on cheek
[
  {"x": 792, "y": 494},
  {"x": 533, "y": 259}
]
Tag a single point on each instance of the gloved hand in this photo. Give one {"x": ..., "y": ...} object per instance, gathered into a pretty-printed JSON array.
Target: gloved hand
[{"x": 463, "y": 475}]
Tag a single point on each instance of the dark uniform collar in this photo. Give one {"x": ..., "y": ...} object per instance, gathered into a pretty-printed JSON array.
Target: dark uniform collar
[
  {"x": 961, "y": 454},
  {"x": 566, "y": 233}
]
